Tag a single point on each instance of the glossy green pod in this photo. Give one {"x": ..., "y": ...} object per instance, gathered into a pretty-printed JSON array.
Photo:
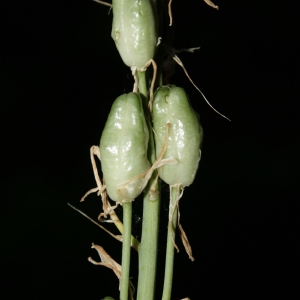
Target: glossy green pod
[
  {"x": 123, "y": 148},
  {"x": 134, "y": 30},
  {"x": 171, "y": 105}
]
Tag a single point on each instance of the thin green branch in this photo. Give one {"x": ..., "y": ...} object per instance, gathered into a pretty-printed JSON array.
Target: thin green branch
[
  {"x": 142, "y": 83},
  {"x": 127, "y": 217},
  {"x": 173, "y": 211}
]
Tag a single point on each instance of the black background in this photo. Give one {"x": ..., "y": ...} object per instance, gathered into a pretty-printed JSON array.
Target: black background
[{"x": 60, "y": 72}]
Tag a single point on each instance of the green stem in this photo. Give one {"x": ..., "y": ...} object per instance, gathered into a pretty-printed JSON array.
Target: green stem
[
  {"x": 167, "y": 291},
  {"x": 143, "y": 89},
  {"x": 148, "y": 245},
  {"x": 126, "y": 237},
  {"x": 149, "y": 241}
]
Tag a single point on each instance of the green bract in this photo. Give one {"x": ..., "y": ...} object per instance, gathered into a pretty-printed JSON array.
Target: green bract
[
  {"x": 123, "y": 148},
  {"x": 171, "y": 105},
  {"x": 134, "y": 31}
]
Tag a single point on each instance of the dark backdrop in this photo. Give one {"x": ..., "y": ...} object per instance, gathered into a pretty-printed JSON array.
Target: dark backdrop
[{"x": 60, "y": 72}]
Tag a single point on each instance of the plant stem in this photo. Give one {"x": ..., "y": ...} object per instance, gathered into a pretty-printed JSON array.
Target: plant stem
[
  {"x": 127, "y": 216},
  {"x": 143, "y": 89},
  {"x": 149, "y": 241},
  {"x": 167, "y": 291},
  {"x": 148, "y": 245}
]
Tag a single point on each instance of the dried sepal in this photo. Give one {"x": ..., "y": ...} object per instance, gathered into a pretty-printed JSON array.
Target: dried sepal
[
  {"x": 210, "y": 3},
  {"x": 108, "y": 210},
  {"x": 173, "y": 206},
  {"x": 109, "y": 262}
]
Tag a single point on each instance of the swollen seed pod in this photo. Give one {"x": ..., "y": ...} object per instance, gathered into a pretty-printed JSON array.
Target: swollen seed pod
[
  {"x": 123, "y": 148},
  {"x": 171, "y": 105},
  {"x": 134, "y": 30}
]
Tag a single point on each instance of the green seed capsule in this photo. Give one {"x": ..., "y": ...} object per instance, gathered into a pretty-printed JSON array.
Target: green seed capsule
[
  {"x": 134, "y": 31},
  {"x": 123, "y": 148},
  {"x": 171, "y": 105}
]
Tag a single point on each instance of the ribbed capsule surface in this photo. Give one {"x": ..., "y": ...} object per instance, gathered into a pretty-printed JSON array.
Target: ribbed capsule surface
[
  {"x": 123, "y": 148},
  {"x": 134, "y": 30},
  {"x": 171, "y": 105}
]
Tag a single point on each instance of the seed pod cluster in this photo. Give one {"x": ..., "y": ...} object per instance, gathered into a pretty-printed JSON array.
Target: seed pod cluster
[
  {"x": 171, "y": 105},
  {"x": 134, "y": 30},
  {"x": 123, "y": 148}
]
